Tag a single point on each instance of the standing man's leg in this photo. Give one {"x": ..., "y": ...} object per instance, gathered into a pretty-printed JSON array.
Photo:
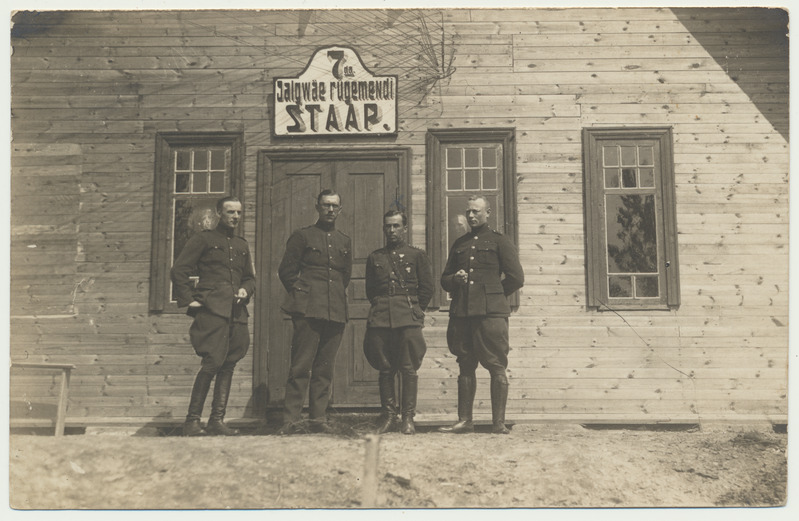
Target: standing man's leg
[
  {"x": 239, "y": 344},
  {"x": 459, "y": 339},
  {"x": 411, "y": 350},
  {"x": 208, "y": 334},
  {"x": 304, "y": 342},
  {"x": 379, "y": 353},
  {"x": 492, "y": 347},
  {"x": 322, "y": 372}
]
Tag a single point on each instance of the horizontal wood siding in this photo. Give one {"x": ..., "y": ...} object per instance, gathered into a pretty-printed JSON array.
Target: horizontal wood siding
[{"x": 91, "y": 89}]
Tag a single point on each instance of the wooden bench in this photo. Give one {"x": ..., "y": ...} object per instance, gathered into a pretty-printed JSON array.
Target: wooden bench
[{"x": 63, "y": 395}]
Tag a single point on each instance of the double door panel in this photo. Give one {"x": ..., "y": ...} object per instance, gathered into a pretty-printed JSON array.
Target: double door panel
[{"x": 368, "y": 188}]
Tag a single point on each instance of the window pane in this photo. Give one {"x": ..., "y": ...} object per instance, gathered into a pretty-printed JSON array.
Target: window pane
[
  {"x": 218, "y": 182},
  {"x": 646, "y": 156},
  {"x": 182, "y": 182},
  {"x": 610, "y": 156},
  {"x": 646, "y": 287},
  {"x": 489, "y": 157},
  {"x": 628, "y": 178},
  {"x": 647, "y": 177},
  {"x": 631, "y": 235},
  {"x": 183, "y": 160},
  {"x": 217, "y": 159},
  {"x": 619, "y": 287},
  {"x": 611, "y": 178},
  {"x": 489, "y": 179},
  {"x": 201, "y": 160},
  {"x": 472, "y": 180},
  {"x": 628, "y": 156},
  {"x": 200, "y": 183},
  {"x": 454, "y": 180},
  {"x": 472, "y": 157},
  {"x": 454, "y": 158}
]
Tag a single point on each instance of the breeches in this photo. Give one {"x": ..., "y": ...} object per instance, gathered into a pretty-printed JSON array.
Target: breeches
[
  {"x": 219, "y": 343},
  {"x": 390, "y": 350},
  {"x": 313, "y": 352},
  {"x": 482, "y": 340}
]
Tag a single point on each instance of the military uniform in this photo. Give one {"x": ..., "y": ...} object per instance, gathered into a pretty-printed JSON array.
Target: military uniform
[
  {"x": 315, "y": 270},
  {"x": 394, "y": 340},
  {"x": 219, "y": 333},
  {"x": 478, "y": 324}
]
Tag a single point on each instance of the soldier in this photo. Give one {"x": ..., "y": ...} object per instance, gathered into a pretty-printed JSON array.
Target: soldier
[
  {"x": 478, "y": 323},
  {"x": 315, "y": 271},
  {"x": 218, "y": 303},
  {"x": 399, "y": 284}
]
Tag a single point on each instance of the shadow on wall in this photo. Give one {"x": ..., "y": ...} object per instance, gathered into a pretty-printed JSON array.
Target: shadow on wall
[{"x": 751, "y": 45}]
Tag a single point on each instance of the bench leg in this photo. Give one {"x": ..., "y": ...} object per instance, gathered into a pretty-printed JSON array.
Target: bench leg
[{"x": 61, "y": 413}]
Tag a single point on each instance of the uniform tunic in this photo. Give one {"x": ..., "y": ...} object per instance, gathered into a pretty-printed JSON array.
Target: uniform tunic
[
  {"x": 223, "y": 262},
  {"x": 393, "y": 339},
  {"x": 478, "y": 325},
  {"x": 315, "y": 270}
]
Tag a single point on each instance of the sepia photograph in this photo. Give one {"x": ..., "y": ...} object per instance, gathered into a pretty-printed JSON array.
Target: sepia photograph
[{"x": 409, "y": 259}]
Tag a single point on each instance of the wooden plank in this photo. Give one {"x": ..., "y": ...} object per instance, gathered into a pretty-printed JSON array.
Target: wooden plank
[
  {"x": 729, "y": 52},
  {"x": 635, "y": 63}
]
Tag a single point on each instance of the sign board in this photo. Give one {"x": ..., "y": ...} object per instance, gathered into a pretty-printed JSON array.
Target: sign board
[{"x": 335, "y": 95}]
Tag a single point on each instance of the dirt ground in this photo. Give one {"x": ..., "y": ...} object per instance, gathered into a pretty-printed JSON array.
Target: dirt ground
[{"x": 535, "y": 466}]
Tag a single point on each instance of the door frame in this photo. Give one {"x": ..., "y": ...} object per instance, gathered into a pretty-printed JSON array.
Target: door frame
[{"x": 263, "y": 238}]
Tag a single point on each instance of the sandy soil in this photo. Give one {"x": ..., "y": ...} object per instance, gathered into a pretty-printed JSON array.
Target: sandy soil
[{"x": 534, "y": 466}]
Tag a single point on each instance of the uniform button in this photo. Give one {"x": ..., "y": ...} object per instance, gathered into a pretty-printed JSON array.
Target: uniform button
[
  {"x": 475, "y": 237},
  {"x": 471, "y": 270},
  {"x": 472, "y": 257},
  {"x": 471, "y": 282},
  {"x": 472, "y": 246}
]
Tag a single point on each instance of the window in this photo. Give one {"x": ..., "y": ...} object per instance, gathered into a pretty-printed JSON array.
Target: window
[
  {"x": 462, "y": 163},
  {"x": 193, "y": 170},
  {"x": 631, "y": 229}
]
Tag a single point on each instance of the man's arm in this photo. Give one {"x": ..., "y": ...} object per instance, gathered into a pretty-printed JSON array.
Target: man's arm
[
  {"x": 371, "y": 279},
  {"x": 424, "y": 274},
  {"x": 348, "y": 263},
  {"x": 248, "y": 278},
  {"x": 289, "y": 269},
  {"x": 450, "y": 280},
  {"x": 510, "y": 266},
  {"x": 185, "y": 264}
]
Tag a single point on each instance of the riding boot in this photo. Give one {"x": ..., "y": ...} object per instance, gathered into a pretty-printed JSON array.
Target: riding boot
[
  {"x": 467, "y": 387},
  {"x": 409, "y": 386},
  {"x": 216, "y": 426},
  {"x": 499, "y": 398},
  {"x": 202, "y": 382},
  {"x": 388, "y": 399}
]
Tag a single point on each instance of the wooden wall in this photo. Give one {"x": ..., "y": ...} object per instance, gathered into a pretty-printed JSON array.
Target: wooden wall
[{"x": 91, "y": 89}]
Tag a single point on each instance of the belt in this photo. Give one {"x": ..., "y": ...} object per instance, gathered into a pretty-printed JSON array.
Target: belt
[{"x": 391, "y": 291}]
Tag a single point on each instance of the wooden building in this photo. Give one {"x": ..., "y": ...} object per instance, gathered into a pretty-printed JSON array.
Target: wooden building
[{"x": 638, "y": 157}]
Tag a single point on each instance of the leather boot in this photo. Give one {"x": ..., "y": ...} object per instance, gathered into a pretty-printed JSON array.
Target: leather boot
[
  {"x": 499, "y": 398},
  {"x": 216, "y": 426},
  {"x": 467, "y": 387},
  {"x": 388, "y": 399},
  {"x": 409, "y": 386},
  {"x": 202, "y": 382}
]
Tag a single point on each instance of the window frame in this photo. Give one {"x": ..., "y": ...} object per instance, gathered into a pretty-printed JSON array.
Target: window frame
[
  {"x": 165, "y": 143},
  {"x": 436, "y": 140},
  {"x": 595, "y": 240}
]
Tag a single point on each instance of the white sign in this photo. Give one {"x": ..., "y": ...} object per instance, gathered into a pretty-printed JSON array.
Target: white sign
[{"x": 335, "y": 95}]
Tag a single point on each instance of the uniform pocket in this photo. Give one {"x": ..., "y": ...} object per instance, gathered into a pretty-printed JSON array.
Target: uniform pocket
[
  {"x": 496, "y": 302},
  {"x": 487, "y": 253}
]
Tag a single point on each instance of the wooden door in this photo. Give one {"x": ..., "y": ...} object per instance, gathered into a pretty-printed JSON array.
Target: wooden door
[{"x": 369, "y": 184}]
